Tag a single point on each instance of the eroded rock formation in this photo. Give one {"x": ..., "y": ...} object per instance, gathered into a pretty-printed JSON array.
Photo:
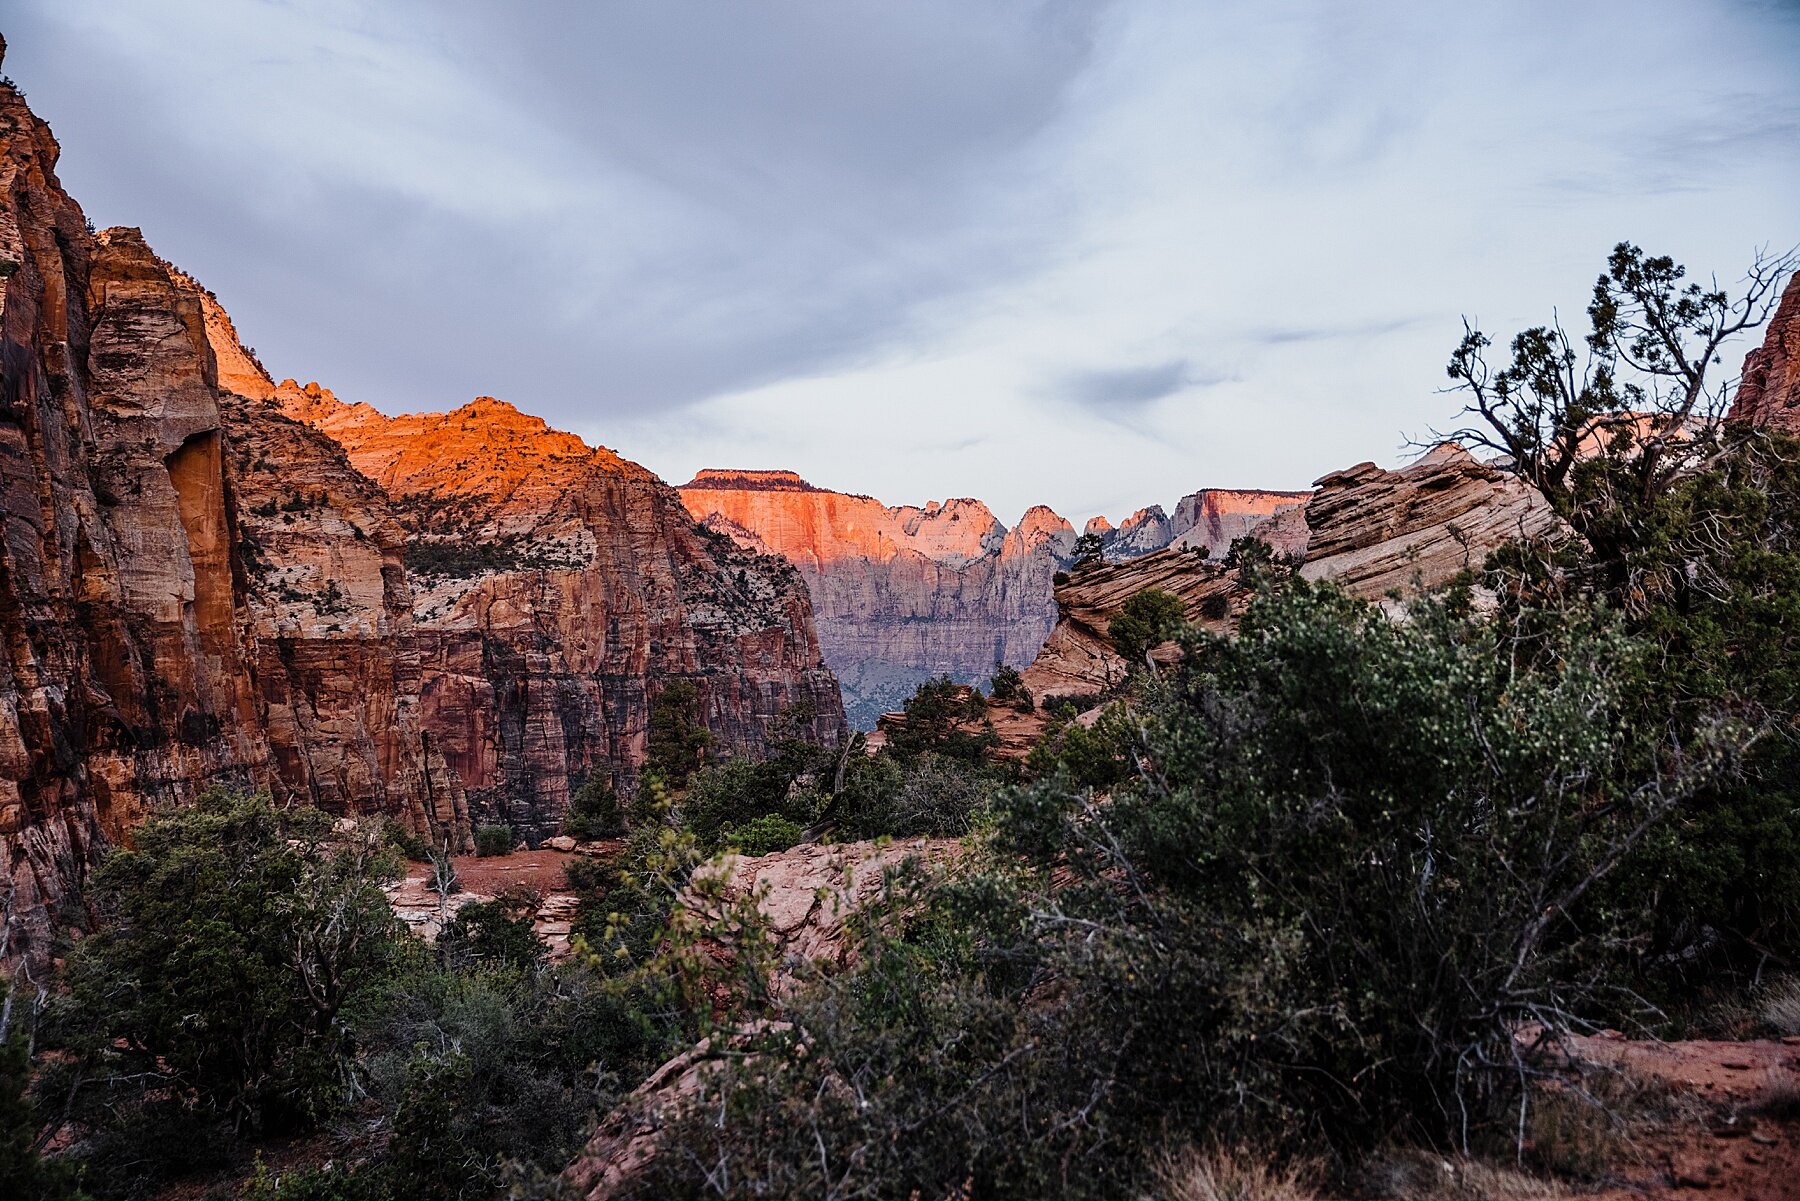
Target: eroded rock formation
[
  {"x": 1769, "y": 390},
  {"x": 556, "y": 588},
  {"x": 1373, "y": 531},
  {"x": 150, "y": 652},
  {"x": 902, "y": 593}
]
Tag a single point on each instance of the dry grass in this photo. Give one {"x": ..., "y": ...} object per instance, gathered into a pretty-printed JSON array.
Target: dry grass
[
  {"x": 1418, "y": 1176},
  {"x": 1780, "y": 1100},
  {"x": 1228, "y": 1175},
  {"x": 1781, "y": 1007}
]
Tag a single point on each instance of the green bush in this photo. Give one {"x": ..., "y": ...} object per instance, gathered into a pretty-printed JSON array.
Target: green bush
[
  {"x": 231, "y": 936},
  {"x": 1146, "y": 620},
  {"x": 764, "y": 835},
  {"x": 1008, "y": 687},
  {"x": 678, "y": 734},
  {"x": 944, "y": 718},
  {"x": 594, "y": 811},
  {"x": 493, "y": 840},
  {"x": 904, "y": 797},
  {"x": 485, "y": 934}
]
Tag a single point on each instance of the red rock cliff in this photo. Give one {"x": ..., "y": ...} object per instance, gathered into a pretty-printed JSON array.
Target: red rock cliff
[
  {"x": 1769, "y": 391},
  {"x": 145, "y": 656},
  {"x": 901, "y": 593},
  {"x": 556, "y": 588}
]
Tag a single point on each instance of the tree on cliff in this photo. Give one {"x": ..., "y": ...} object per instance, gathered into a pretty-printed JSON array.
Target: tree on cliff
[
  {"x": 678, "y": 738},
  {"x": 1603, "y": 432},
  {"x": 1691, "y": 527},
  {"x": 1145, "y": 621}
]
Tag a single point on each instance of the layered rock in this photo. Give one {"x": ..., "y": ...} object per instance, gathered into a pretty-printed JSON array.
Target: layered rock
[
  {"x": 1372, "y": 531},
  {"x": 145, "y": 656},
  {"x": 557, "y": 588},
  {"x": 1211, "y": 518},
  {"x": 1214, "y": 518},
  {"x": 1769, "y": 389},
  {"x": 900, "y": 593}
]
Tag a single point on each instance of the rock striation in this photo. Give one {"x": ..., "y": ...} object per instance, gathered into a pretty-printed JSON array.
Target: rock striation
[
  {"x": 900, "y": 593},
  {"x": 557, "y": 587},
  {"x": 151, "y": 651},
  {"x": 1371, "y": 530},
  {"x": 1769, "y": 389}
]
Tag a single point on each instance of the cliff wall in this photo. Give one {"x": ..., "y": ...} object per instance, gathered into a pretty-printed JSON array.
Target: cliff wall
[
  {"x": 901, "y": 593},
  {"x": 557, "y": 588},
  {"x": 149, "y": 651},
  {"x": 1769, "y": 389}
]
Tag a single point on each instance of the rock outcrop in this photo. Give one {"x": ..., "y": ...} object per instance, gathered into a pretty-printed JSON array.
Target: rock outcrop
[
  {"x": 557, "y": 587},
  {"x": 150, "y": 652},
  {"x": 808, "y": 894},
  {"x": 904, "y": 593},
  {"x": 201, "y": 584},
  {"x": 1372, "y": 531},
  {"x": 1769, "y": 389},
  {"x": 1375, "y": 531}
]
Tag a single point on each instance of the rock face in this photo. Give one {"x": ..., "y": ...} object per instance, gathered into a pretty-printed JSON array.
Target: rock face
[
  {"x": 556, "y": 589},
  {"x": 1372, "y": 531},
  {"x": 1215, "y": 517},
  {"x": 151, "y": 651},
  {"x": 1769, "y": 390},
  {"x": 200, "y": 584},
  {"x": 902, "y": 593}
]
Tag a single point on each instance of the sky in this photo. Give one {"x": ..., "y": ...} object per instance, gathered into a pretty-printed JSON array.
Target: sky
[{"x": 1095, "y": 254}]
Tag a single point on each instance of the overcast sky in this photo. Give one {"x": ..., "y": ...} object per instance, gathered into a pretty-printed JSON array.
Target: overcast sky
[{"x": 1089, "y": 254}]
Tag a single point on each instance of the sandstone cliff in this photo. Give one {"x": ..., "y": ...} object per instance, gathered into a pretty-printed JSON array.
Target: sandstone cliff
[
  {"x": 556, "y": 588},
  {"x": 149, "y": 651},
  {"x": 1373, "y": 531},
  {"x": 1769, "y": 391},
  {"x": 198, "y": 586},
  {"x": 903, "y": 593}
]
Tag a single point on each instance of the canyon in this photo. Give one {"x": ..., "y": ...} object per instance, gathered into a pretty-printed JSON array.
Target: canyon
[
  {"x": 905, "y": 593},
  {"x": 210, "y": 579}
]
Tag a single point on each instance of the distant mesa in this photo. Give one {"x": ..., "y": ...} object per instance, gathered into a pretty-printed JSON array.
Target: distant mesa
[{"x": 740, "y": 480}]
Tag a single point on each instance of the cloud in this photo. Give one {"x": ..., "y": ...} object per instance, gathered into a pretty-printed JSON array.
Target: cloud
[
  {"x": 1133, "y": 388},
  {"x": 923, "y": 249}
]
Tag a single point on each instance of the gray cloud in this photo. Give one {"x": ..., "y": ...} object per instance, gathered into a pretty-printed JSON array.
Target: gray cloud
[
  {"x": 710, "y": 233},
  {"x": 1132, "y": 388},
  {"x": 713, "y": 196}
]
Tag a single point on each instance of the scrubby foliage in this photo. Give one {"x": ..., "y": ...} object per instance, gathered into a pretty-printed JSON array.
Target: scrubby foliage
[
  {"x": 594, "y": 811},
  {"x": 1146, "y": 620},
  {"x": 1342, "y": 860},
  {"x": 944, "y": 718},
  {"x": 492, "y": 840},
  {"x": 678, "y": 737},
  {"x": 249, "y": 979},
  {"x": 1007, "y": 687}
]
